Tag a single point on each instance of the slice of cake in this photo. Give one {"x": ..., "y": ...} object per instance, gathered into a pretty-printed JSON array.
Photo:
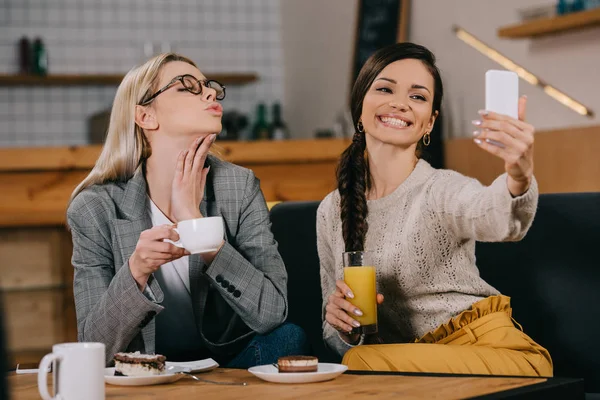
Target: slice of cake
[
  {"x": 298, "y": 364},
  {"x": 138, "y": 364}
]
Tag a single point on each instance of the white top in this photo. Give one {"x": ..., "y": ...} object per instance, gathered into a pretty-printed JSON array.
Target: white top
[
  {"x": 423, "y": 241},
  {"x": 175, "y": 273},
  {"x": 176, "y": 331}
]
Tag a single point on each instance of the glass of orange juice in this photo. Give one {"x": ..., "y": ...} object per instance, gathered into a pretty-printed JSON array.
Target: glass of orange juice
[{"x": 359, "y": 275}]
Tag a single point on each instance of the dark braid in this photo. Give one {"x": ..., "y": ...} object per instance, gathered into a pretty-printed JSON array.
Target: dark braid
[
  {"x": 352, "y": 186},
  {"x": 353, "y": 176}
]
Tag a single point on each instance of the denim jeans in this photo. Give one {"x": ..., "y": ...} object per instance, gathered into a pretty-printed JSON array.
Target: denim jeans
[{"x": 286, "y": 340}]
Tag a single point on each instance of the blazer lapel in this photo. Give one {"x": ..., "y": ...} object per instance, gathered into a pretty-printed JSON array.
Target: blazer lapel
[{"x": 199, "y": 283}]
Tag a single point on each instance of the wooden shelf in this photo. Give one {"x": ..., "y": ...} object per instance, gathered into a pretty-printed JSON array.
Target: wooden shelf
[
  {"x": 87, "y": 80},
  {"x": 549, "y": 26}
]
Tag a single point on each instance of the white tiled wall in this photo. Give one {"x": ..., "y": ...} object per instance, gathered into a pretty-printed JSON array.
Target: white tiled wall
[{"x": 108, "y": 36}]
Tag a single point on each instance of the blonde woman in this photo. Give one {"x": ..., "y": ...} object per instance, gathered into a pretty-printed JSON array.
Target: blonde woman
[{"x": 136, "y": 292}]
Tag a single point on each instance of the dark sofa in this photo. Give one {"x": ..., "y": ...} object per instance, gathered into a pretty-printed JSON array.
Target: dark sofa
[{"x": 552, "y": 276}]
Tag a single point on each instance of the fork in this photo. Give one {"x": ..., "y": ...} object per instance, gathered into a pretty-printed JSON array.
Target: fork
[{"x": 209, "y": 381}]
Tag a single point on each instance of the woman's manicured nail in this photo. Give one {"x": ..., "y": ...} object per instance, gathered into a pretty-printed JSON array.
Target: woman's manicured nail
[
  {"x": 485, "y": 113},
  {"x": 356, "y": 323},
  {"x": 350, "y": 294},
  {"x": 358, "y": 312},
  {"x": 476, "y": 122},
  {"x": 495, "y": 143},
  {"x": 476, "y": 133},
  {"x": 477, "y": 141}
]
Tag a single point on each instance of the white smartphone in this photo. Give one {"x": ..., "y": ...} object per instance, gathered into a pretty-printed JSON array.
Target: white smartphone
[{"x": 502, "y": 92}]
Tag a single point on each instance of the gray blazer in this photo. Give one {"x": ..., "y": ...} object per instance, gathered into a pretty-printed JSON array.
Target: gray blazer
[{"x": 243, "y": 291}]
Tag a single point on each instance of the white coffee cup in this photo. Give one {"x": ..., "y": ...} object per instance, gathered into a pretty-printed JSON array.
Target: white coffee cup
[
  {"x": 200, "y": 235},
  {"x": 77, "y": 372}
]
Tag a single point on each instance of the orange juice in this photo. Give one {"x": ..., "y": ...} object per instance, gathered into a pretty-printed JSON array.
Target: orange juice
[{"x": 361, "y": 281}]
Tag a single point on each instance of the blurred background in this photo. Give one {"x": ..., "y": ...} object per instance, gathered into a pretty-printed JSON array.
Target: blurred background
[{"x": 288, "y": 66}]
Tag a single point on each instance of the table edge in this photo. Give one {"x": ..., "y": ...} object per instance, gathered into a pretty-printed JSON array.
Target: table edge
[
  {"x": 574, "y": 386},
  {"x": 570, "y": 388}
]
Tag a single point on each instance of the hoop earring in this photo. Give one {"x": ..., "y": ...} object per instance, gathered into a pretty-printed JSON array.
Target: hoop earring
[
  {"x": 426, "y": 139},
  {"x": 359, "y": 127}
]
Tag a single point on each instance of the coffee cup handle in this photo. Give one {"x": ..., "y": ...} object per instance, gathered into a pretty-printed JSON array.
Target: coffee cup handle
[
  {"x": 43, "y": 376},
  {"x": 177, "y": 243}
]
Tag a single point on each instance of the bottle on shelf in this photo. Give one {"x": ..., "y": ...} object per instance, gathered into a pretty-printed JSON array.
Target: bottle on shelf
[
  {"x": 40, "y": 57},
  {"x": 260, "y": 129},
  {"x": 577, "y": 5},
  {"x": 278, "y": 129},
  {"x": 24, "y": 56}
]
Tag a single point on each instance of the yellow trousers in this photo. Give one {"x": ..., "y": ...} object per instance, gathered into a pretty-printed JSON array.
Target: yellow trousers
[{"x": 481, "y": 340}]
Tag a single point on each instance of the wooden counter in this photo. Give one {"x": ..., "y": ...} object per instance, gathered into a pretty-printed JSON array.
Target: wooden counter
[
  {"x": 36, "y": 182},
  {"x": 565, "y": 160}
]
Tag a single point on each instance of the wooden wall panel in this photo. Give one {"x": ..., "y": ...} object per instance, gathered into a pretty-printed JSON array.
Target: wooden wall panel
[
  {"x": 36, "y": 278},
  {"x": 30, "y": 258},
  {"x": 34, "y": 319}
]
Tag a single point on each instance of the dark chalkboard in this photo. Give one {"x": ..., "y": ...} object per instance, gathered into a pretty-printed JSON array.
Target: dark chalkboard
[{"x": 380, "y": 23}]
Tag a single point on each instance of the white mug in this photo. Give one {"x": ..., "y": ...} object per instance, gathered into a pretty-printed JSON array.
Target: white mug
[
  {"x": 200, "y": 235},
  {"x": 77, "y": 371}
]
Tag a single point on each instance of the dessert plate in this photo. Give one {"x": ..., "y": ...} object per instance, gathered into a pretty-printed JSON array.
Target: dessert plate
[
  {"x": 169, "y": 376},
  {"x": 325, "y": 372},
  {"x": 173, "y": 373}
]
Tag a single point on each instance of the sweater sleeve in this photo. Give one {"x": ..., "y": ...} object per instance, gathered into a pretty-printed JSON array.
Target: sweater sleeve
[{"x": 483, "y": 213}]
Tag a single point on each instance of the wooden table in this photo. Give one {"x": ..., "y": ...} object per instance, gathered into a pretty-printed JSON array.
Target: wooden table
[{"x": 348, "y": 386}]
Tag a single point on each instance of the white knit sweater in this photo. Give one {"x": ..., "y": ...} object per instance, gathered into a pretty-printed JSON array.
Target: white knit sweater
[{"x": 423, "y": 239}]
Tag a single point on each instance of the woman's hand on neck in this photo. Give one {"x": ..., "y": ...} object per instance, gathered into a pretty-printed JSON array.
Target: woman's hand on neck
[
  {"x": 389, "y": 166},
  {"x": 160, "y": 170}
]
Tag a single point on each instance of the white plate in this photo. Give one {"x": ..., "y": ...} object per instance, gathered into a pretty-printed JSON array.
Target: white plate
[
  {"x": 194, "y": 366},
  {"x": 110, "y": 378},
  {"x": 324, "y": 372},
  {"x": 171, "y": 373}
]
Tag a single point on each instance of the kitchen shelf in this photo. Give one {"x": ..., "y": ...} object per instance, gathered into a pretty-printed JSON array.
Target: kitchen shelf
[
  {"x": 548, "y": 26},
  {"x": 96, "y": 80}
]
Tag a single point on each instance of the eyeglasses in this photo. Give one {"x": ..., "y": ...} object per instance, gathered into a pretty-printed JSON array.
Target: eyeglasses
[{"x": 192, "y": 85}]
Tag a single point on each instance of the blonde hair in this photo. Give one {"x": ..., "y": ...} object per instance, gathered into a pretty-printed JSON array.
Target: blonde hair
[{"x": 126, "y": 146}]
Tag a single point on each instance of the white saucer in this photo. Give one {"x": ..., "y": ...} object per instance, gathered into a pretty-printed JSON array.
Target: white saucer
[
  {"x": 324, "y": 372},
  {"x": 110, "y": 378},
  {"x": 180, "y": 245},
  {"x": 193, "y": 366},
  {"x": 206, "y": 251}
]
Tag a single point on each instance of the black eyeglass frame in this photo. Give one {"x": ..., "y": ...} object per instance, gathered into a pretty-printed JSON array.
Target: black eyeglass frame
[{"x": 180, "y": 78}]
